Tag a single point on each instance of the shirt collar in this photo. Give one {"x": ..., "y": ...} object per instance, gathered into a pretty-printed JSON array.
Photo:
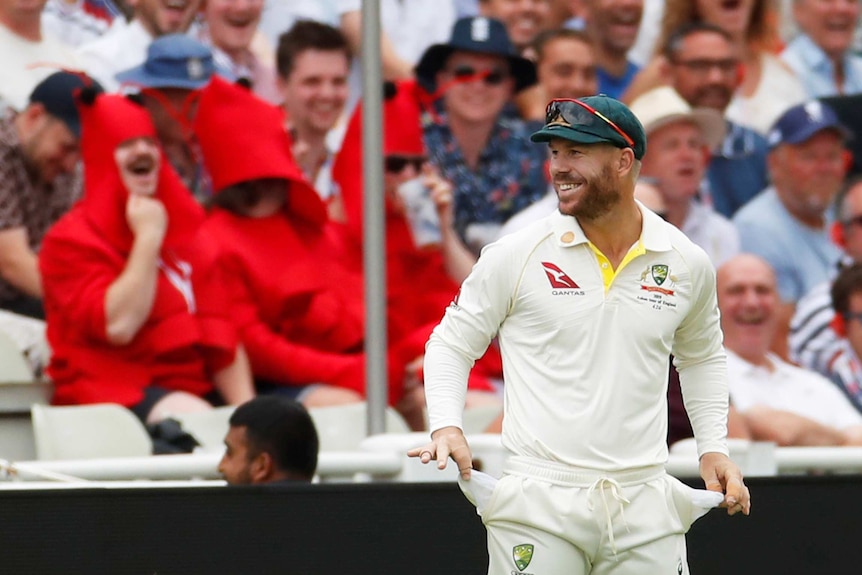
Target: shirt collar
[
  {"x": 812, "y": 54},
  {"x": 654, "y": 233}
]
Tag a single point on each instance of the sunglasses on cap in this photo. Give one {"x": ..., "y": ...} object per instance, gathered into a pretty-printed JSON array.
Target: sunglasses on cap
[
  {"x": 570, "y": 113},
  {"x": 492, "y": 77},
  {"x": 396, "y": 164}
]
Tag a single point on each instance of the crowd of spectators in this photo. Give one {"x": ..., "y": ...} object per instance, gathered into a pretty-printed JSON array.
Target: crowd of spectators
[{"x": 150, "y": 149}]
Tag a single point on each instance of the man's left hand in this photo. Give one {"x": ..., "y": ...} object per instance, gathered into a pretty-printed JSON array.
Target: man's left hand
[{"x": 721, "y": 474}]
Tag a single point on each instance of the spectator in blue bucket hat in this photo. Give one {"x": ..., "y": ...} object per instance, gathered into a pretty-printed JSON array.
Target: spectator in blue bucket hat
[{"x": 168, "y": 83}]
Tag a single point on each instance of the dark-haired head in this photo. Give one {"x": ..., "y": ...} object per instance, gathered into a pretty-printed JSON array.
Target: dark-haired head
[{"x": 271, "y": 438}]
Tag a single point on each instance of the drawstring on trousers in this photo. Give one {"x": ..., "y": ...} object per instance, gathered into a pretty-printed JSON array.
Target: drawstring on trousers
[{"x": 601, "y": 484}]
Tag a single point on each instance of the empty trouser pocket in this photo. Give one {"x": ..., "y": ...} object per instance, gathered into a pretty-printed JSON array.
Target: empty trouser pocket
[
  {"x": 479, "y": 489},
  {"x": 692, "y": 504}
]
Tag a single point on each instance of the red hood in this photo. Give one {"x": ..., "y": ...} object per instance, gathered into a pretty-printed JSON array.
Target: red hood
[
  {"x": 106, "y": 123},
  {"x": 402, "y": 134},
  {"x": 243, "y": 138}
]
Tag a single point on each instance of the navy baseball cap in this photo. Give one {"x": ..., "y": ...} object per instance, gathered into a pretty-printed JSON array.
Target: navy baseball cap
[
  {"x": 173, "y": 61},
  {"x": 57, "y": 94},
  {"x": 482, "y": 36},
  {"x": 803, "y": 121},
  {"x": 593, "y": 120}
]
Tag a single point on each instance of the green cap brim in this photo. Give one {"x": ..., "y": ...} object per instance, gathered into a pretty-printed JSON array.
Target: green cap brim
[{"x": 548, "y": 133}]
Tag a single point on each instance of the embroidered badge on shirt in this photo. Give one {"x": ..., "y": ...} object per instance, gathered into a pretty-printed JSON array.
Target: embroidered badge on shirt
[{"x": 658, "y": 281}]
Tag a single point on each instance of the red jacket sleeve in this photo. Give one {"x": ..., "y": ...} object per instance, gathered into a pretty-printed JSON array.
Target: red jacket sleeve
[{"x": 76, "y": 276}]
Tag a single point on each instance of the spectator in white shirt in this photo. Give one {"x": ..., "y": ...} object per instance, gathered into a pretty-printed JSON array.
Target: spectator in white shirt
[{"x": 780, "y": 402}]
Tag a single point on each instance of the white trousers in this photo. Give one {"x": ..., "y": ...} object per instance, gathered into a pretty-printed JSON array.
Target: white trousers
[{"x": 548, "y": 519}]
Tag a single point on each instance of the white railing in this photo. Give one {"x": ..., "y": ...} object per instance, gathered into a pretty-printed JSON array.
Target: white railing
[
  {"x": 383, "y": 457},
  {"x": 202, "y": 466}
]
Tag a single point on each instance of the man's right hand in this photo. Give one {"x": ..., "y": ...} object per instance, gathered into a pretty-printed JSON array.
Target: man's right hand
[
  {"x": 147, "y": 216},
  {"x": 447, "y": 442}
]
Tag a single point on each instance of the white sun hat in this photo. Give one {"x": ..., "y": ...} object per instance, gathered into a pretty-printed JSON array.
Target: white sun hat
[{"x": 662, "y": 106}]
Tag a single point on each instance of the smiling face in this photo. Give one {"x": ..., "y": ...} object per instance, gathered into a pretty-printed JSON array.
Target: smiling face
[
  {"x": 677, "y": 160},
  {"x": 476, "y": 100},
  {"x": 232, "y": 23},
  {"x": 748, "y": 300},
  {"x": 523, "y": 19},
  {"x": 162, "y": 17},
  {"x": 732, "y": 16},
  {"x": 316, "y": 90},
  {"x": 567, "y": 69},
  {"x": 615, "y": 23},
  {"x": 704, "y": 70},
  {"x": 587, "y": 187},
  {"x": 829, "y": 23},
  {"x": 49, "y": 147},
  {"x": 138, "y": 161}
]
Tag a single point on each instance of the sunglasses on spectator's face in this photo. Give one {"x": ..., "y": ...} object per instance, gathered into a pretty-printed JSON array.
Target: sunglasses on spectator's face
[
  {"x": 571, "y": 113},
  {"x": 850, "y": 316},
  {"x": 396, "y": 164},
  {"x": 853, "y": 221},
  {"x": 492, "y": 77}
]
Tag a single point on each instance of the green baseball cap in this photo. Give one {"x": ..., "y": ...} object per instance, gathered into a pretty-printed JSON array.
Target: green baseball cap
[{"x": 593, "y": 120}]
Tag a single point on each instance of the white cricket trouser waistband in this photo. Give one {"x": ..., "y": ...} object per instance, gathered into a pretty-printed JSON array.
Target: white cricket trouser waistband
[
  {"x": 594, "y": 480},
  {"x": 569, "y": 476}
]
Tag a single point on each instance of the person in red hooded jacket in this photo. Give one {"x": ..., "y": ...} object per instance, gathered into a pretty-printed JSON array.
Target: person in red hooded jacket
[
  {"x": 422, "y": 276},
  {"x": 299, "y": 309},
  {"x": 135, "y": 303}
]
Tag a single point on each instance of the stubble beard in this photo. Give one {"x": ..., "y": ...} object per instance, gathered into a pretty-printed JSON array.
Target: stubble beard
[{"x": 598, "y": 197}]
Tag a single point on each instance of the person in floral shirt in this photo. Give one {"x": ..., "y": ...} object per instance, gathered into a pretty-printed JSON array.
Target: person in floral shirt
[{"x": 471, "y": 132}]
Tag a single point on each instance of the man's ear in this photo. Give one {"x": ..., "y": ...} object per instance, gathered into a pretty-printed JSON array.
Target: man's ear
[
  {"x": 261, "y": 468},
  {"x": 626, "y": 161},
  {"x": 34, "y": 112},
  {"x": 30, "y": 120}
]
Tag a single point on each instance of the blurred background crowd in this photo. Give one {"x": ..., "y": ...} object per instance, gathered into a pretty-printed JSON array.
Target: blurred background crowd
[{"x": 181, "y": 188}]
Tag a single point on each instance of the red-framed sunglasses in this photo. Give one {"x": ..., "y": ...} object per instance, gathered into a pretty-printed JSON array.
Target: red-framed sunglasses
[{"x": 569, "y": 112}]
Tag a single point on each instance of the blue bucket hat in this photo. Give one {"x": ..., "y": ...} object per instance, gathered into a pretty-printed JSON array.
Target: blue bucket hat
[
  {"x": 480, "y": 35},
  {"x": 173, "y": 61}
]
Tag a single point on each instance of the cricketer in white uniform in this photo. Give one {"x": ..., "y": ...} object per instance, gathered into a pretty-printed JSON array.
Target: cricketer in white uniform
[{"x": 588, "y": 304}]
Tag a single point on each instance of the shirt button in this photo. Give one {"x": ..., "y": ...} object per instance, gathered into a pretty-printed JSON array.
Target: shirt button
[
  {"x": 605, "y": 265},
  {"x": 568, "y": 237}
]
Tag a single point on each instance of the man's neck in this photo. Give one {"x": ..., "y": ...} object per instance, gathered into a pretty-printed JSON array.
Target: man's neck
[
  {"x": 613, "y": 62},
  {"x": 615, "y": 233},
  {"x": 28, "y": 28},
  {"x": 472, "y": 138}
]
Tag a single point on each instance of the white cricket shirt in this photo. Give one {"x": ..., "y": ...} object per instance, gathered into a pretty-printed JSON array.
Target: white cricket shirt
[{"x": 585, "y": 349}]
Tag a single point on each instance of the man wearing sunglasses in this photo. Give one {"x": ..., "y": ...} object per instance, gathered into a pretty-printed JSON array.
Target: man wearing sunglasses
[
  {"x": 471, "y": 132},
  {"x": 587, "y": 305}
]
